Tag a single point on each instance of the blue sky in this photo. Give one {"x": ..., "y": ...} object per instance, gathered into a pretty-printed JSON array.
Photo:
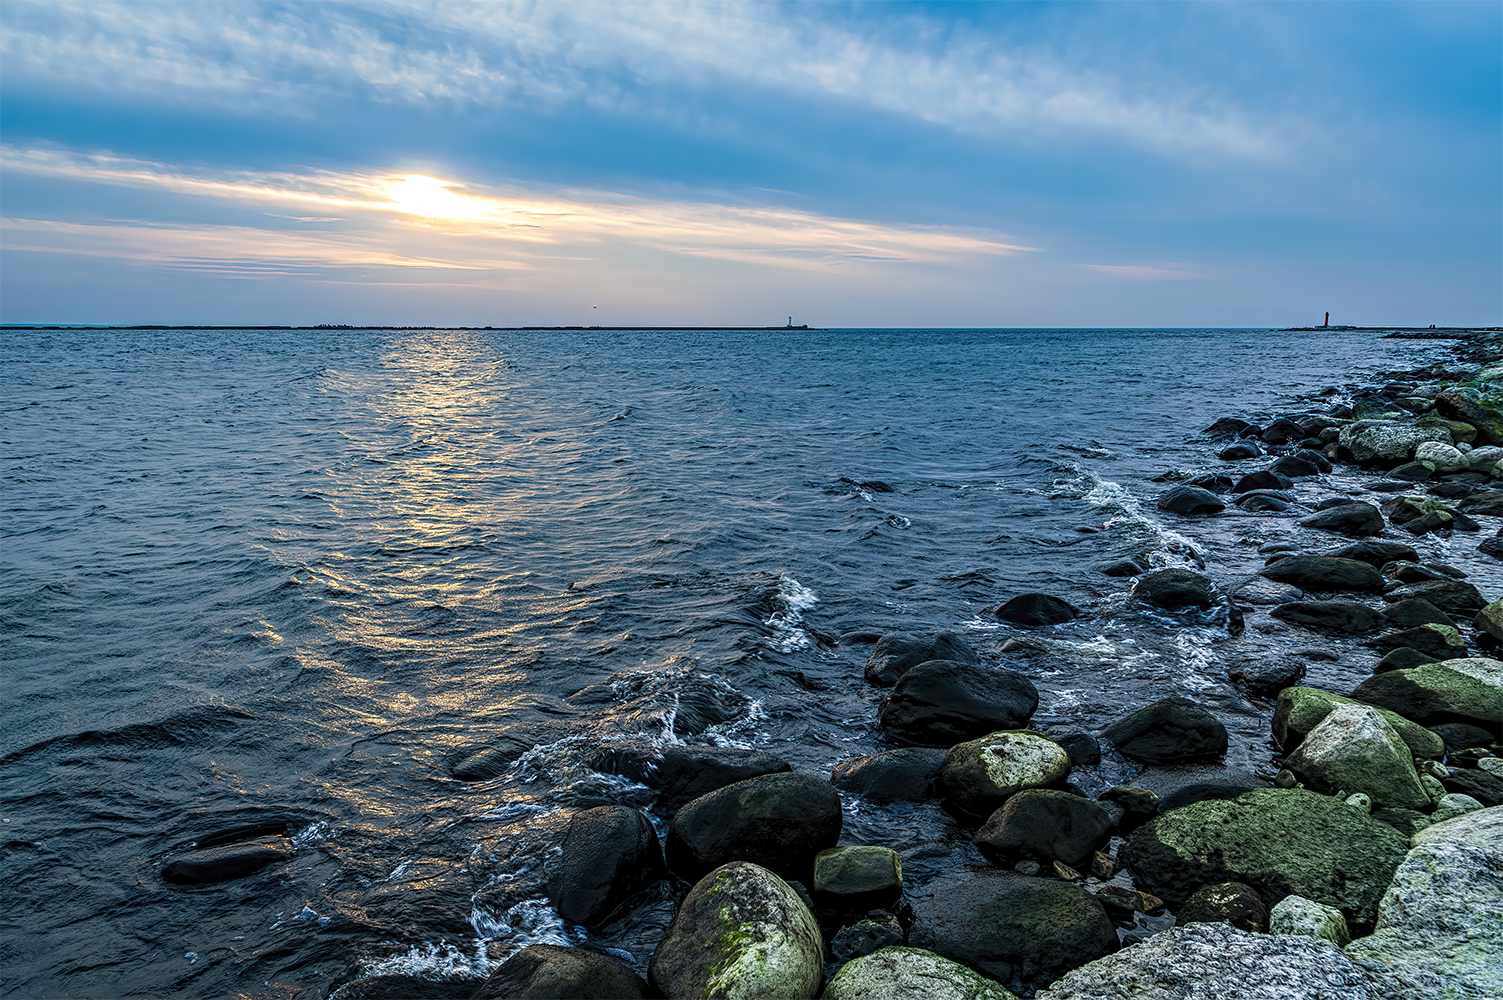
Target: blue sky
[{"x": 850, "y": 164}]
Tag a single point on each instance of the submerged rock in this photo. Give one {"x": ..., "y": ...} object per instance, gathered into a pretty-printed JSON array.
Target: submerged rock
[
  {"x": 1324, "y": 573},
  {"x": 223, "y": 862},
  {"x": 898, "y": 973},
  {"x": 1375, "y": 552},
  {"x": 546, "y": 971},
  {"x": 610, "y": 853},
  {"x": 1355, "y": 519},
  {"x": 888, "y": 775},
  {"x": 896, "y": 653},
  {"x": 1174, "y": 589},
  {"x": 742, "y": 933},
  {"x": 1190, "y": 500},
  {"x": 941, "y": 702},
  {"x": 778, "y": 821},
  {"x": 1169, "y": 729},
  {"x": 1033, "y": 610},
  {"x": 682, "y": 773},
  {"x": 1336, "y": 616}
]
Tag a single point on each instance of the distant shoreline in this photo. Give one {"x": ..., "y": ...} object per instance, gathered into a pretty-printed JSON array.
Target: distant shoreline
[{"x": 1397, "y": 332}]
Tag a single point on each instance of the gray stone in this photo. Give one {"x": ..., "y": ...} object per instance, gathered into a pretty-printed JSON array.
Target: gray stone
[
  {"x": 1440, "y": 456},
  {"x": 779, "y": 821},
  {"x": 911, "y": 974},
  {"x": 1453, "y": 804},
  {"x": 741, "y": 933},
  {"x": 1490, "y": 620},
  {"x": 1355, "y": 749},
  {"x": 1298, "y": 915},
  {"x": 1440, "y": 924},
  {"x": 978, "y": 776},
  {"x": 1386, "y": 440},
  {"x": 1214, "y": 961}
]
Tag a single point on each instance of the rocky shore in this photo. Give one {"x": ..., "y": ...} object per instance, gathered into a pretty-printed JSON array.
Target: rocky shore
[{"x": 1370, "y": 866}]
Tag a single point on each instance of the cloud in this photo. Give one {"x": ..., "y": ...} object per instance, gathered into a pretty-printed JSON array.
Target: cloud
[
  {"x": 1142, "y": 272},
  {"x": 638, "y": 58},
  {"x": 413, "y": 220}
]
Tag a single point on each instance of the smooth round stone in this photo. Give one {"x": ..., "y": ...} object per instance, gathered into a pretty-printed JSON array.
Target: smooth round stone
[{"x": 857, "y": 878}]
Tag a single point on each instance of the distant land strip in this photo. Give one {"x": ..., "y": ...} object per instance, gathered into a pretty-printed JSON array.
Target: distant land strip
[{"x": 348, "y": 326}]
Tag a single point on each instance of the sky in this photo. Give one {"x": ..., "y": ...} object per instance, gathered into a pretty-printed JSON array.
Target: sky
[{"x": 895, "y": 164}]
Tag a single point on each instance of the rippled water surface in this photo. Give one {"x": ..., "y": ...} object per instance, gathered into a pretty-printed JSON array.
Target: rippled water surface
[{"x": 295, "y": 574}]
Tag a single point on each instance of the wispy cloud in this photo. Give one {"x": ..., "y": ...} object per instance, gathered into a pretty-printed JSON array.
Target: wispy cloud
[
  {"x": 1143, "y": 272},
  {"x": 623, "y": 57}
]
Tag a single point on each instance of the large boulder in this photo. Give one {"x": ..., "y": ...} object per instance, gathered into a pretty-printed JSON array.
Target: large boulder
[
  {"x": 547, "y": 972},
  {"x": 896, "y": 653},
  {"x": 610, "y": 853},
  {"x": 1440, "y": 924},
  {"x": 1214, "y": 960},
  {"x": 1047, "y": 825},
  {"x": 898, "y": 973},
  {"x": 1456, "y": 597},
  {"x": 1490, "y": 620},
  {"x": 1440, "y": 456},
  {"x": 978, "y": 776},
  {"x": 1375, "y": 551},
  {"x": 1386, "y": 440},
  {"x": 1357, "y": 520},
  {"x": 1008, "y": 926},
  {"x": 1324, "y": 573},
  {"x": 891, "y": 775},
  {"x": 1430, "y": 640},
  {"x": 1469, "y": 689},
  {"x": 1033, "y": 610},
  {"x": 1335, "y": 616},
  {"x": 682, "y": 773},
  {"x": 1354, "y": 749},
  {"x": 1298, "y": 915},
  {"x": 1174, "y": 589},
  {"x": 1412, "y": 612},
  {"x": 778, "y": 821},
  {"x": 1168, "y": 730},
  {"x": 742, "y": 933},
  {"x": 942, "y": 702},
  {"x": 1300, "y": 709},
  {"x": 1277, "y": 840},
  {"x": 1190, "y": 500},
  {"x": 1458, "y": 404}
]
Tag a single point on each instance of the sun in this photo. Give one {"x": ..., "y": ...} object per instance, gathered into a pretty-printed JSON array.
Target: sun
[{"x": 432, "y": 198}]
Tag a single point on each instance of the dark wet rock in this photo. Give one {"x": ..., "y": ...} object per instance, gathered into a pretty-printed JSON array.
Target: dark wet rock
[
  {"x": 398, "y": 986},
  {"x": 1457, "y": 405},
  {"x": 610, "y": 853},
  {"x": 1266, "y": 678},
  {"x": 1434, "y": 642},
  {"x": 1324, "y": 573},
  {"x": 1336, "y": 616},
  {"x": 1400, "y": 659},
  {"x": 1300, "y": 709},
  {"x": 1488, "y": 503},
  {"x": 1355, "y": 750},
  {"x": 1354, "y": 519},
  {"x": 897, "y": 973},
  {"x": 1455, "y": 597},
  {"x": 1389, "y": 486},
  {"x": 1203, "y": 791},
  {"x": 1123, "y": 567},
  {"x": 1279, "y": 841},
  {"x": 906, "y": 773},
  {"x": 1138, "y": 805},
  {"x": 1375, "y": 552},
  {"x": 1211, "y": 481},
  {"x": 1169, "y": 729},
  {"x": 1485, "y": 788},
  {"x": 1009, "y": 926},
  {"x": 1228, "y": 427},
  {"x": 1239, "y": 451},
  {"x": 429, "y": 898},
  {"x": 1412, "y": 472},
  {"x": 680, "y": 774},
  {"x": 1261, "y": 480},
  {"x": 742, "y": 932},
  {"x": 1314, "y": 456},
  {"x": 551, "y": 972},
  {"x": 1297, "y": 466},
  {"x": 865, "y": 936},
  {"x": 778, "y": 821},
  {"x": 487, "y": 762},
  {"x": 1412, "y": 612},
  {"x": 1266, "y": 501},
  {"x": 979, "y": 776},
  {"x": 1046, "y": 825},
  {"x": 1216, "y": 960},
  {"x": 942, "y": 702},
  {"x": 870, "y": 485},
  {"x": 1037, "y": 609},
  {"x": 1083, "y": 748},
  {"x": 1282, "y": 431},
  {"x": 1230, "y": 903},
  {"x": 896, "y": 653},
  {"x": 858, "y": 878},
  {"x": 1174, "y": 589},
  {"x": 226, "y": 861},
  {"x": 859, "y": 637},
  {"x": 1462, "y": 735},
  {"x": 1189, "y": 500},
  {"x": 1492, "y": 546},
  {"x": 1461, "y": 690}
]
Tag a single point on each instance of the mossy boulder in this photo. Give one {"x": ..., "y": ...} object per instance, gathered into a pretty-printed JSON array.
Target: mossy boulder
[
  {"x": 978, "y": 776},
  {"x": 857, "y": 878},
  {"x": 899, "y": 973},
  {"x": 1469, "y": 689},
  {"x": 1279, "y": 841},
  {"x": 741, "y": 933},
  {"x": 1300, "y": 710},
  {"x": 1355, "y": 749}
]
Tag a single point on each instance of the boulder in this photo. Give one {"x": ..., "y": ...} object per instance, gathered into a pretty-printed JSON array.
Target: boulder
[
  {"x": 1174, "y": 589},
  {"x": 610, "y": 853},
  {"x": 1265, "y": 500},
  {"x": 1213, "y": 960},
  {"x": 1296, "y": 466},
  {"x": 778, "y": 821},
  {"x": 1488, "y": 503},
  {"x": 1455, "y": 597},
  {"x": 1485, "y": 788},
  {"x": 1355, "y": 749},
  {"x": 1190, "y": 500},
  {"x": 226, "y": 861},
  {"x": 682, "y": 773},
  {"x": 1469, "y": 689},
  {"x": 1123, "y": 567},
  {"x": 1211, "y": 481},
  {"x": 1266, "y": 678},
  {"x": 1459, "y": 736},
  {"x": 1137, "y": 805},
  {"x": 1298, "y": 915},
  {"x": 890, "y": 775},
  {"x": 1046, "y": 825},
  {"x": 870, "y": 934},
  {"x": 1400, "y": 659},
  {"x": 1432, "y": 641},
  {"x": 1083, "y": 748},
  {"x": 857, "y": 879},
  {"x": 1277, "y": 840},
  {"x": 1240, "y": 450},
  {"x": 1282, "y": 431},
  {"x": 1226, "y": 903},
  {"x": 898, "y": 973},
  {"x": 978, "y": 776},
  {"x": 1357, "y": 520},
  {"x": 1009, "y": 926},
  {"x": 1490, "y": 620},
  {"x": 1228, "y": 427},
  {"x": 1300, "y": 709},
  {"x": 1260, "y": 480},
  {"x": 1167, "y": 730},
  {"x": 942, "y": 702},
  {"x": 1386, "y": 440},
  {"x": 1440, "y": 456},
  {"x": 896, "y": 653},
  {"x": 1324, "y": 573},
  {"x": 1376, "y": 552},
  {"x": 1033, "y": 610},
  {"x": 546, "y": 972},
  {"x": 1438, "y": 924},
  {"x": 1414, "y": 611},
  {"x": 1484, "y": 459},
  {"x": 742, "y": 933},
  {"x": 1458, "y": 405},
  {"x": 1335, "y": 616}
]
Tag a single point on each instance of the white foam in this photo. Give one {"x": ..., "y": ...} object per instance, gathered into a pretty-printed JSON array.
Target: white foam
[
  {"x": 792, "y": 599},
  {"x": 313, "y": 833},
  {"x": 532, "y": 921},
  {"x": 432, "y": 960}
]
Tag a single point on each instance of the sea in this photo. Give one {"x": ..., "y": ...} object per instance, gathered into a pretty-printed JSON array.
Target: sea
[{"x": 291, "y": 576}]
